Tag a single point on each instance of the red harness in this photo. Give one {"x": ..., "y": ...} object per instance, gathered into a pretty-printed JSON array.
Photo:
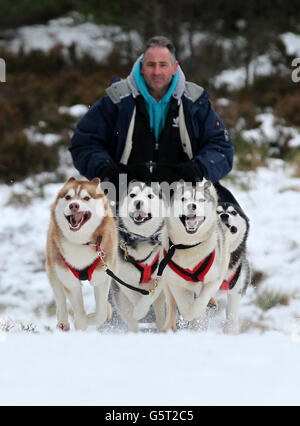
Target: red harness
[
  {"x": 83, "y": 274},
  {"x": 146, "y": 270},
  {"x": 230, "y": 283},
  {"x": 200, "y": 271},
  {"x": 87, "y": 273}
]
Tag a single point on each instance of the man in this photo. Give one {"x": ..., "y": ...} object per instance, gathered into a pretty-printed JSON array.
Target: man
[{"x": 154, "y": 126}]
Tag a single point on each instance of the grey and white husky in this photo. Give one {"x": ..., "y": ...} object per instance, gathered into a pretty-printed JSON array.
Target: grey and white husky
[
  {"x": 141, "y": 224},
  {"x": 238, "y": 275},
  {"x": 197, "y": 247}
]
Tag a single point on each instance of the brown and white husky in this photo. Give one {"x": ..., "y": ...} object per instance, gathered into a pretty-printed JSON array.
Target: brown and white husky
[{"x": 81, "y": 234}]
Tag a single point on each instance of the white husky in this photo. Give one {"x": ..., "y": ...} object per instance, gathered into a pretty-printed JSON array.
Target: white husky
[
  {"x": 141, "y": 227},
  {"x": 198, "y": 251}
]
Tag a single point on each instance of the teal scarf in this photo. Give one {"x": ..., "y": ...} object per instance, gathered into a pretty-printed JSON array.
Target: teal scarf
[{"x": 157, "y": 110}]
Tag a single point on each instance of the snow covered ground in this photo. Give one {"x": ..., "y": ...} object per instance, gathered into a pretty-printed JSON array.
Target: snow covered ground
[
  {"x": 40, "y": 365},
  {"x": 149, "y": 369}
]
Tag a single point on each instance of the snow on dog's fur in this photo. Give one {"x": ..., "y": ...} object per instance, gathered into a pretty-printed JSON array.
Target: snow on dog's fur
[
  {"x": 194, "y": 223},
  {"x": 141, "y": 227},
  {"x": 79, "y": 216},
  {"x": 238, "y": 273}
]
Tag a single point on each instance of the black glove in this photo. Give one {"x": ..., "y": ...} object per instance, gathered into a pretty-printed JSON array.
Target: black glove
[
  {"x": 188, "y": 172},
  {"x": 110, "y": 173},
  {"x": 166, "y": 173},
  {"x": 140, "y": 172}
]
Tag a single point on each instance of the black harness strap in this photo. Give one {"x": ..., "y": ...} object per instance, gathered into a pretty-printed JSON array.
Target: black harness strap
[
  {"x": 140, "y": 290},
  {"x": 170, "y": 254}
]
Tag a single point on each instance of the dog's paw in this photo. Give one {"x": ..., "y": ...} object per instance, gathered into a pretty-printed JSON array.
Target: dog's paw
[
  {"x": 63, "y": 326},
  {"x": 81, "y": 323},
  {"x": 212, "y": 304},
  {"x": 96, "y": 319}
]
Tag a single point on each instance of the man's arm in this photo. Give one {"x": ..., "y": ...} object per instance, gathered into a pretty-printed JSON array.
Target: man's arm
[
  {"x": 92, "y": 140},
  {"x": 215, "y": 156}
]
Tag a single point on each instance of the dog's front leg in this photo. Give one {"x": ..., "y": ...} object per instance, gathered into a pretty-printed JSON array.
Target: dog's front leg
[
  {"x": 170, "y": 323},
  {"x": 232, "y": 322},
  {"x": 74, "y": 294},
  {"x": 60, "y": 300},
  {"x": 101, "y": 282},
  {"x": 142, "y": 307},
  {"x": 126, "y": 305},
  {"x": 208, "y": 291},
  {"x": 159, "y": 310},
  {"x": 72, "y": 289},
  {"x": 185, "y": 301}
]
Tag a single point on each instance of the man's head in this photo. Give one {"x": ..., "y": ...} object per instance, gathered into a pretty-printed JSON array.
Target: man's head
[{"x": 159, "y": 65}]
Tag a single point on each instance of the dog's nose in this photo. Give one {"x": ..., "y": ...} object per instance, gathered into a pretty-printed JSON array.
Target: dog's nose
[
  {"x": 138, "y": 204},
  {"x": 224, "y": 216},
  {"x": 192, "y": 206},
  {"x": 74, "y": 207}
]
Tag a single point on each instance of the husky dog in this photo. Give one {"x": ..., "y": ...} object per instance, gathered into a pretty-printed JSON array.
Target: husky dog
[
  {"x": 82, "y": 231},
  {"x": 197, "y": 253},
  {"x": 141, "y": 227},
  {"x": 238, "y": 275}
]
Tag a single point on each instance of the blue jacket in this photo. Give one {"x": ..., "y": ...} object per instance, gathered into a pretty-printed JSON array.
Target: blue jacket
[{"x": 100, "y": 136}]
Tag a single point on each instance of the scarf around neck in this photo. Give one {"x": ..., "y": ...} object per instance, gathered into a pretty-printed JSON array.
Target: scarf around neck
[{"x": 157, "y": 110}]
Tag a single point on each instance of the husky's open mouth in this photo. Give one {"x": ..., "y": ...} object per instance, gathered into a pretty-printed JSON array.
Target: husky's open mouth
[
  {"x": 140, "y": 217},
  {"x": 192, "y": 222},
  {"x": 77, "y": 220},
  {"x": 233, "y": 229}
]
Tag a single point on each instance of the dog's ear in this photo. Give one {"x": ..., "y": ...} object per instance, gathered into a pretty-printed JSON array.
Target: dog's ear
[
  {"x": 70, "y": 179},
  {"x": 207, "y": 185},
  {"x": 96, "y": 181}
]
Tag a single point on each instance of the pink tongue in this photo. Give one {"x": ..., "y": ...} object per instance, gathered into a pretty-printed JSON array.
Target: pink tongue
[
  {"x": 76, "y": 218},
  {"x": 192, "y": 221},
  {"x": 141, "y": 215}
]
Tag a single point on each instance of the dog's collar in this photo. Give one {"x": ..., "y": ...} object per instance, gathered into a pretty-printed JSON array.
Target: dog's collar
[
  {"x": 130, "y": 238},
  {"x": 97, "y": 245}
]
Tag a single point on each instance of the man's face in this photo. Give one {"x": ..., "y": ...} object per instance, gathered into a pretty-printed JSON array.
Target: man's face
[{"x": 158, "y": 69}]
